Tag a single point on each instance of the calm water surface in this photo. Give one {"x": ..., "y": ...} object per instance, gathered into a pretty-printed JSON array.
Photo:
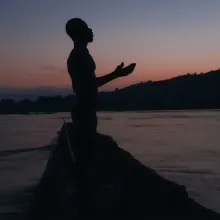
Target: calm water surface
[{"x": 183, "y": 146}]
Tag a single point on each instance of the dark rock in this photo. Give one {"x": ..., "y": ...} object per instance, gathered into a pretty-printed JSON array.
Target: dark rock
[{"x": 120, "y": 187}]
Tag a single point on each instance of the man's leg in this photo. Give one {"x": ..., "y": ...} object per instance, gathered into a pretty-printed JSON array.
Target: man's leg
[{"x": 85, "y": 122}]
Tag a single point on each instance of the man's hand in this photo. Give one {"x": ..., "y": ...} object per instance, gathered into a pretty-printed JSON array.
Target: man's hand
[
  {"x": 120, "y": 71},
  {"x": 119, "y": 68}
]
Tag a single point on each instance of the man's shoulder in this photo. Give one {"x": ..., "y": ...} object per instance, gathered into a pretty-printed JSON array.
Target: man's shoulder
[{"x": 79, "y": 55}]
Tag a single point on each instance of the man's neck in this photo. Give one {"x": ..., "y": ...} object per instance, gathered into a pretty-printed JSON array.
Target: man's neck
[{"x": 80, "y": 45}]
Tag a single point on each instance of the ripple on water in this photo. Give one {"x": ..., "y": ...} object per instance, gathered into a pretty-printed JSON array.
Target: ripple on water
[{"x": 143, "y": 125}]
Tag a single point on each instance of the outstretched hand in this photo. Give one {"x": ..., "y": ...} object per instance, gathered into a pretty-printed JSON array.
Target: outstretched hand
[{"x": 126, "y": 70}]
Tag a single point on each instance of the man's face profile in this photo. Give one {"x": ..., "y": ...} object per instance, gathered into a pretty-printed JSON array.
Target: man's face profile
[{"x": 79, "y": 31}]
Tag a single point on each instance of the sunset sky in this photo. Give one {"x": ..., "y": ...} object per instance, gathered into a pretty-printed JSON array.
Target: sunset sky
[{"x": 164, "y": 37}]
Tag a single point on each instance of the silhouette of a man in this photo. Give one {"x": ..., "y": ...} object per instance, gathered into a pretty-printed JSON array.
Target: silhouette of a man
[{"x": 81, "y": 68}]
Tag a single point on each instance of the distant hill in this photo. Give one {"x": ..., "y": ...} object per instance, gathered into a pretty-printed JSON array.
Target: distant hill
[{"x": 189, "y": 91}]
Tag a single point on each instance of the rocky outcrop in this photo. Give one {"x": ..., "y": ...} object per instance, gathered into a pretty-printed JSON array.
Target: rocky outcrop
[{"x": 119, "y": 187}]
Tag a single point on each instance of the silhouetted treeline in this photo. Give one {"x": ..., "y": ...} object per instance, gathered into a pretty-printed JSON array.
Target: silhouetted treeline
[{"x": 190, "y": 91}]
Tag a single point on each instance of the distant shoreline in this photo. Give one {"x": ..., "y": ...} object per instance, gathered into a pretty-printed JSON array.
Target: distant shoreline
[
  {"x": 137, "y": 111},
  {"x": 186, "y": 92}
]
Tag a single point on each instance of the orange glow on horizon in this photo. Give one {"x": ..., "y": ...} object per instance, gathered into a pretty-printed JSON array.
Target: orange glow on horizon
[{"x": 57, "y": 76}]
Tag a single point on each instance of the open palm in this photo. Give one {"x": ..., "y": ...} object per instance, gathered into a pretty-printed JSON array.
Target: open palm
[{"x": 127, "y": 70}]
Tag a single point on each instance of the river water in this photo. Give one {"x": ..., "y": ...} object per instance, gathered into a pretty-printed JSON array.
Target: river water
[{"x": 183, "y": 146}]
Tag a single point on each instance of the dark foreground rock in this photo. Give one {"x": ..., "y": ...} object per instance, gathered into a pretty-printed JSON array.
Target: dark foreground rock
[{"x": 120, "y": 187}]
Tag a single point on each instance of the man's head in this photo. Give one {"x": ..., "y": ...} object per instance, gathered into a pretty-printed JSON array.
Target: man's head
[{"x": 78, "y": 30}]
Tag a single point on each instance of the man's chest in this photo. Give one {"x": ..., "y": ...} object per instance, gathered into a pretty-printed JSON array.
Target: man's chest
[
  {"x": 81, "y": 63},
  {"x": 89, "y": 62}
]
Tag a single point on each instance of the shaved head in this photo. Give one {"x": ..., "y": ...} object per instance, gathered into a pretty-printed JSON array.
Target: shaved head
[{"x": 78, "y": 30}]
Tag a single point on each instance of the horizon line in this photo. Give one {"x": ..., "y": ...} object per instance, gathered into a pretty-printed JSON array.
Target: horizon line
[{"x": 121, "y": 87}]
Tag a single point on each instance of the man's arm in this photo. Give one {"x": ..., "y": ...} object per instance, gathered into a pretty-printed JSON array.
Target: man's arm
[
  {"x": 119, "y": 72},
  {"x": 100, "y": 81}
]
